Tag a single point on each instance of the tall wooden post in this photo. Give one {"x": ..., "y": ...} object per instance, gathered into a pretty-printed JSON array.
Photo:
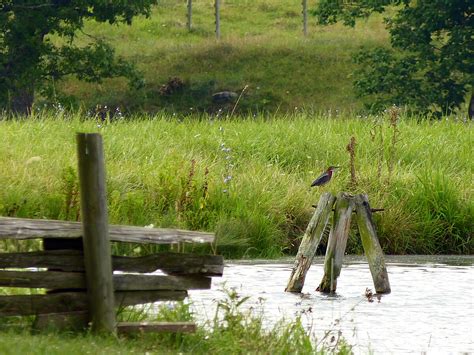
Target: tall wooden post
[
  {"x": 190, "y": 15},
  {"x": 337, "y": 242},
  {"x": 218, "y": 18},
  {"x": 97, "y": 254},
  {"x": 371, "y": 244},
  {"x": 310, "y": 242},
  {"x": 305, "y": 17}
]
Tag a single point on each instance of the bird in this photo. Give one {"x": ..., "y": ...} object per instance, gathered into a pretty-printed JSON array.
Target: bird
[{"x": 325, "y": 177}]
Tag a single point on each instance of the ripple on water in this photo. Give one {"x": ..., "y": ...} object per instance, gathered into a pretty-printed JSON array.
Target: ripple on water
[{"x": 429, "y": 310}]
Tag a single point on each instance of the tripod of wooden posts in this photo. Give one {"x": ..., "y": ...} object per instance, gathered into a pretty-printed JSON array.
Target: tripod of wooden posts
[{"x": 343, "y": 205}]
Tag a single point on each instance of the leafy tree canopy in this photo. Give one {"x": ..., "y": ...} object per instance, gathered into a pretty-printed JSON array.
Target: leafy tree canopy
[
  {"x": 29, "y": 60},
  {"x": 430, "y": 65}
]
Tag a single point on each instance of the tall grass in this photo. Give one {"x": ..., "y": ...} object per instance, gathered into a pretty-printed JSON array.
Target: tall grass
[{"x": 248, "y": 180}]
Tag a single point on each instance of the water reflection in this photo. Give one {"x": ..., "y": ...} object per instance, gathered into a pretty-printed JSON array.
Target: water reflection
[{"x": 429, "y": 310}]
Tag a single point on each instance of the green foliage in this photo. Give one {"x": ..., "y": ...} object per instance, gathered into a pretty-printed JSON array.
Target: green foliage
[
  {"x": 264, "y": 208},
  {"x": 429, "y": 67},
  {"x": 284, "y": 70},
  {"x": 30, "y": 61},
  {"x": 448, "y": 220}
]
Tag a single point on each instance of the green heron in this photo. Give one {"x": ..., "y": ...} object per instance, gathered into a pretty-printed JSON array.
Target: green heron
[{"x": 324, "y": 177}]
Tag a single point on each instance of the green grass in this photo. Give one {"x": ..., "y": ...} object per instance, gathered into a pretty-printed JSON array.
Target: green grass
[
  {"x": 232, "y": 331},
  {"x": 262, "y": 46},
  {"x": 263, "y": 209}
]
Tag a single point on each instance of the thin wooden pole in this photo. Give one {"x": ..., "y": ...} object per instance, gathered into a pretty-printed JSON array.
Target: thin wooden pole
[
  {"x": 370, "y": 242},
  {"x": 97, "y": 254},
  {"x": 218, "y": 18},
  {"x": 190, "y": 15},
  {"x": 310, "y": 242},
  {"x": 305, "y": 17},
  {"x": 337, "y": 242}
]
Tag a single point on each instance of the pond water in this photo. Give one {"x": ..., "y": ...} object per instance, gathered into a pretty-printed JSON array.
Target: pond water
[{"x": 430, "y": 309}]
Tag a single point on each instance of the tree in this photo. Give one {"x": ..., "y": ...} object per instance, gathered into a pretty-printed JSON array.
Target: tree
[
  {"x": 30, "y": 61},
  {"x": 429, "y": 66}
]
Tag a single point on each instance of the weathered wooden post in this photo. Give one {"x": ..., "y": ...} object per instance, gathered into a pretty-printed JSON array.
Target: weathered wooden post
[
  {"x": 371, "y": 245},
  {"x": 189, "y": 22},
  {"x": 97, "y": 254},
  {"x": 305, "y": 17},
  {"x": 310, "y": 242},
  {"x": 218, "y": 18},
  {"x": 337, "y": 242}
]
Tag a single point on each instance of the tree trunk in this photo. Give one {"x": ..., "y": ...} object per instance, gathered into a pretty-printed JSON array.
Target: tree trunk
[
  {"x": 470, "y": 111},
  {"x": 21, "y": 100}
]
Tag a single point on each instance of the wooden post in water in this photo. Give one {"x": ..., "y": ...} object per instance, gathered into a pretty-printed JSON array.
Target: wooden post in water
[
  {"x": 310, "y": 242},
  {"x": 371, "y": 244},
  {"x": 217, "y": 6},
  {"x": 337, "y": 242},
  {"x": 97, "y": 254},
  {"x": 189, "y": 22}
]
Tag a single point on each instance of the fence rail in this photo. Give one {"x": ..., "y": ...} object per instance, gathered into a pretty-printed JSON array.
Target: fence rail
[
  {"x": 84, "y": 283},
  {"x": 23, "y": 228}
]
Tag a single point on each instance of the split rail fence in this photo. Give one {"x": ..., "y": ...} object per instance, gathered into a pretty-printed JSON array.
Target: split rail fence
[{"x": 84, "y": 283}]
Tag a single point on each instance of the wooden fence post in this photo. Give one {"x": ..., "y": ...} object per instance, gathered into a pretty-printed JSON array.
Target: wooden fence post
[
  {"x": 190, "y": 15},
  {"x": 370, "y": 242},
  {"x": 337, "y": 242},
  {"x": 97, "y": 254},
  {"x": 305, "y": 17},
  {"x": 310, "y": 242},
  {"x": 218, "y": 18}
]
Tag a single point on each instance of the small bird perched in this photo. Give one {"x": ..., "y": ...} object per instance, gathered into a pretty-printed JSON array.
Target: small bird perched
[{"x": 324, "y": 177}]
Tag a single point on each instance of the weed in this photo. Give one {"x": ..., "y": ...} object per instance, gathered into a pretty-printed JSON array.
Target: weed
[{"x": 70, "y": 189}]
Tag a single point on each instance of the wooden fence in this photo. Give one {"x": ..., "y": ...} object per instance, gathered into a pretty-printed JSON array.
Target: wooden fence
[
  {"x": 217, "y": 16},
  {"x": 86, "y": 285}
]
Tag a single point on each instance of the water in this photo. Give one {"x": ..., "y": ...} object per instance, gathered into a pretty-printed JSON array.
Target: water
[{"x": 429, "y": 310}]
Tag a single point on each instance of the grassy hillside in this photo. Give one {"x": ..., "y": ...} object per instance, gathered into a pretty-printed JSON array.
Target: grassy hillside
[
  {"x": 262, "y": 47},
  {"x": 248, "y": 180}
]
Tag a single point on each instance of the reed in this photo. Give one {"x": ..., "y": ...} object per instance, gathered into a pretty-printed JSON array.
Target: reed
[{"x": 248, "y": 179}]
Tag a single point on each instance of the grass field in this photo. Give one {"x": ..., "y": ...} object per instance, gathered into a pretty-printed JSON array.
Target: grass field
[
  {"x": 235, "y": 332},
  {"x": 248, "y": 180},
  {"x": 262, "y": 47}
]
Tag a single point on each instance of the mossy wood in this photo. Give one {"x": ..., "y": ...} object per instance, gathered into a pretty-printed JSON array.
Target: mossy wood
[
  {"x": 337, "y": 242},
  {"x": 24, "y": 228},
  {"x": 73, "y": 260},
  {"x": 147, "y": 327},
  {"x": 370, "y": 242},
  {"x": 22, "y": 305},
  {"x": 345, "y": 204},
  {"x": 121, "y": 282},
  {"x": 97, "y": 254},
  {"x": 309, "y": 244}
]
